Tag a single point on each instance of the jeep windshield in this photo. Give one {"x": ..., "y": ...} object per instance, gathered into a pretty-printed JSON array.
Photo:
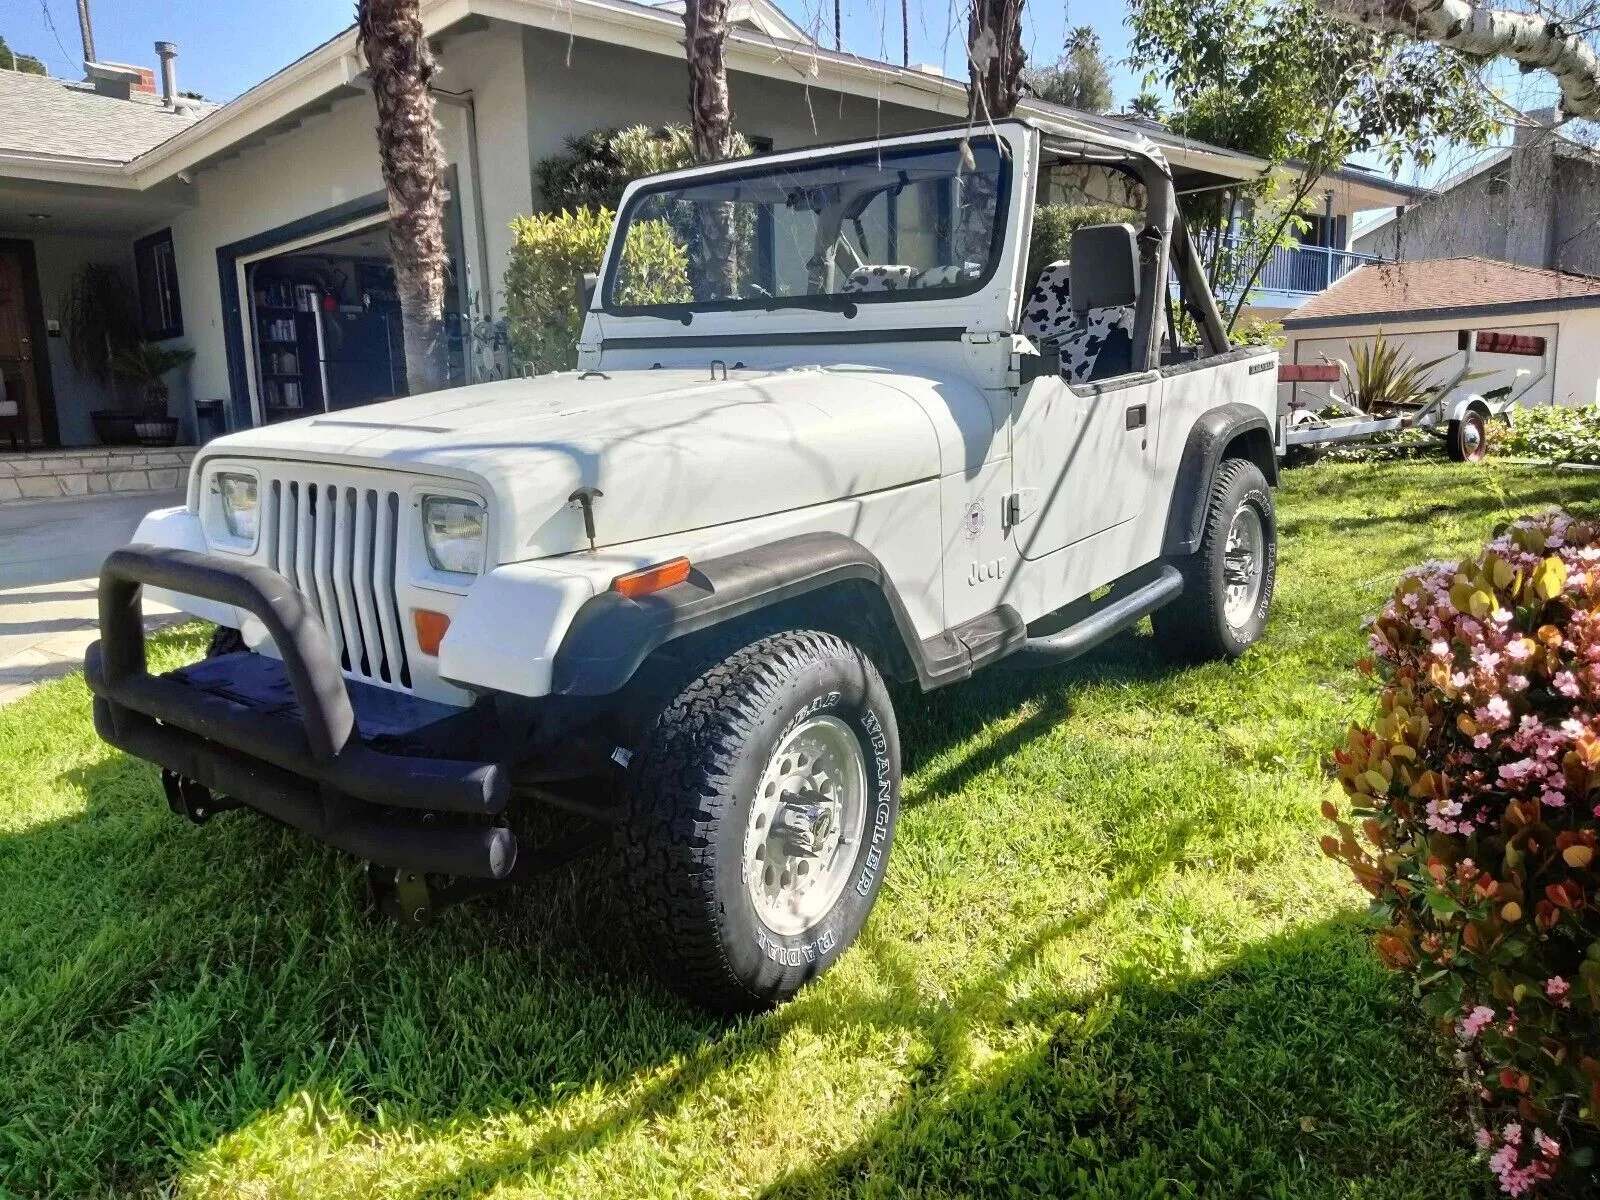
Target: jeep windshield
[{"x": 914, "y": 222}]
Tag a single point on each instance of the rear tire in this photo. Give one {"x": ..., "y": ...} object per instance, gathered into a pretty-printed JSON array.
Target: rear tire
[
  {"x": 1468, "y": 438},
  {"x": 761, "y": 810},
  {"x": 1228, "y": 581}
]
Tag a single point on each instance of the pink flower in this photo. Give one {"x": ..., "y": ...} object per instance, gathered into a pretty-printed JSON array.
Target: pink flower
[
  {"x": 1566, "y": 683},
  {"x": 1472, "y": 1024},
  {"x": 1483, "y": 1138},
  {"x": 1557, "y": 988}
]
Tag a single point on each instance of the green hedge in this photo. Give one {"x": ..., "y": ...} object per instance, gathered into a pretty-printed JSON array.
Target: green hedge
[{"x": 550, "y": 252}]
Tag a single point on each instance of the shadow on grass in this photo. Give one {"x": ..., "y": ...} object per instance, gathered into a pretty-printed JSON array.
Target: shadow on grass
[
  {"x": 1287, "y": 1072},
  {"x": 162, "y": 985}
]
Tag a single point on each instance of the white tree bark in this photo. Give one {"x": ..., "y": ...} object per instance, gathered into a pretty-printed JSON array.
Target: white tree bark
[{"x": 1472, "y": 28}]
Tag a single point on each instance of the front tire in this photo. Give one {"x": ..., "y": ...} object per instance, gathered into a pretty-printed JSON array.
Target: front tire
[
  {"x": 1228, "y": 581},
  {"x": 761, "y": 810}
]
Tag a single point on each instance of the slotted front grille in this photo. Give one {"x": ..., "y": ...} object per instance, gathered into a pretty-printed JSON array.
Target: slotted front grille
[{"x": 337, "y": 544}]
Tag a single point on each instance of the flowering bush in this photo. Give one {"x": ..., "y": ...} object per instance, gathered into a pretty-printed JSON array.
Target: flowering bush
[{"x": 1477, "y": 793}]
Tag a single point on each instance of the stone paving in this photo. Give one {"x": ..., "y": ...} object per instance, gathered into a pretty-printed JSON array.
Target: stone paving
[
  {"x": 49, "y": 554},
  {"x": 51, "y": 474},
  {"x": 45, "y": 629}
]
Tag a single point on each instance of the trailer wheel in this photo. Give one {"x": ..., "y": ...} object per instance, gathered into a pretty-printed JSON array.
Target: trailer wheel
[
  {"x": 1467, "y": 439},
  {"x": 761, "y": 809},
  {"x": 1228, "y": 581}
]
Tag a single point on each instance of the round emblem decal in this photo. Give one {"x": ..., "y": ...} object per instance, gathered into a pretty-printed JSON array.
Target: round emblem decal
[{"x": 973, "y": 521}]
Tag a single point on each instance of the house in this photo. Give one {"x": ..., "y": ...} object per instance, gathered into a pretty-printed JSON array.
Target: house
[
  {"x": 256, "y": 232},
  {"x": 1535, "y": 202},
  {"x": 1427, "y": 306}
]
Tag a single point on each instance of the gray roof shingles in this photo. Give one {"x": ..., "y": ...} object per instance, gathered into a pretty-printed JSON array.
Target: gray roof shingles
[{"x": 46, "y": 115}]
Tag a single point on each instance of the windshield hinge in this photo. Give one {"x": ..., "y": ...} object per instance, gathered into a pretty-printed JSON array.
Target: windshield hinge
[{"x": 1018, "y": 506}]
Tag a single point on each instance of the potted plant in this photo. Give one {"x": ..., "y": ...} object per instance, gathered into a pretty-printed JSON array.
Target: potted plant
[
  {"x": 146, "y": 366},
  {"x": 99, "y": 320}
]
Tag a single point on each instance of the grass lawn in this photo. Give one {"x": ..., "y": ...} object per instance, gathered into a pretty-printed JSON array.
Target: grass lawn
[{"x": 1108, "y": 961}]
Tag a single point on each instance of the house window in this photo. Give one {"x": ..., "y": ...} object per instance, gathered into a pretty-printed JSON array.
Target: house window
[{"x": 157, "y": 270}]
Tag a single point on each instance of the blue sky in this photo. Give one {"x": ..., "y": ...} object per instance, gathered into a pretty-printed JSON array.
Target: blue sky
[{"x": 227, "y": 46}]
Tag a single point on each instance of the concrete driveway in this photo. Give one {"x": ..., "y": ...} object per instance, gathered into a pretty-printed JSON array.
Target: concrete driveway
[
  {"x": 55, "y": 540},
  {"x": 50, "y": 555}
]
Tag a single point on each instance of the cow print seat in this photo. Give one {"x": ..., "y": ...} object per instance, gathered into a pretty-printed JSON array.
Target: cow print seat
[
  {"x": 946, "y": 276},
  {"x": 880, "y": 278},
  {"x": 1048, "y": 314},
  {"x": 1094, "y": 344}
]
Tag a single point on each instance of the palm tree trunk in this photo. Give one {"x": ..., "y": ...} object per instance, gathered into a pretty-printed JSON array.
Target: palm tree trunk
[
  {"x": 400, "y": 66},
  {"x": 838, "y": 34},
  {"x": 905, "y": 35},
  {"x": 994, "y": 58},
  {"x": 705, "y": 25}
]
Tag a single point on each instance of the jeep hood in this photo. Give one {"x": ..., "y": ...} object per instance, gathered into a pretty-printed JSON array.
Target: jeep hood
[{"x": 670, "y": 450}]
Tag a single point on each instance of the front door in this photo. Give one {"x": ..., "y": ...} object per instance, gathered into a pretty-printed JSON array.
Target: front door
[
  {"x": 1080, "y": 457},
  {"x": 21, "y": 410}
]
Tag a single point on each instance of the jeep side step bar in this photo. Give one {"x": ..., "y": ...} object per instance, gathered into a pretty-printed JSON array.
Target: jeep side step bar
[{"x": 1103, "y": 620}]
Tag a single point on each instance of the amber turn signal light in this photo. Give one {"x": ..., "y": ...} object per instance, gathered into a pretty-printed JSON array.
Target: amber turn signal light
[
  {"x": 431, "y": 627},
  {"x": 652, "y": 579}
]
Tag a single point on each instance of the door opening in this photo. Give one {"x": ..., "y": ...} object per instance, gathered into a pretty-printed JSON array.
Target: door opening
[
  {"x": 27, "y": 411},
  {"x": 324, "y": 324}
]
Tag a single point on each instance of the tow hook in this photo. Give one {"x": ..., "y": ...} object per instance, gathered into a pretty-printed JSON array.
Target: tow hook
[{"x": 193, "y": 800}]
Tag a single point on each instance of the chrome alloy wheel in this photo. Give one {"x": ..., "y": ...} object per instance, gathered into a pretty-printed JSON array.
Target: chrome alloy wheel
[
  {"x": 1243, "y": 560},
  {"x": 805, "y": 825}
]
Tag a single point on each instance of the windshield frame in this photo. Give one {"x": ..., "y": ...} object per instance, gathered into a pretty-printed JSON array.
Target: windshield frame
[{"x": 801, "y": 159}]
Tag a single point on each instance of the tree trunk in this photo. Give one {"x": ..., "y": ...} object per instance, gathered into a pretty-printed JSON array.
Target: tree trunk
[
  {"x": 400, "y": 66},
  {"x": 905, "y": 35},
  {"x": 1534, "y": 43},
  {"x": 994, "y": 58},
  {"x": 705, "y": 26}
]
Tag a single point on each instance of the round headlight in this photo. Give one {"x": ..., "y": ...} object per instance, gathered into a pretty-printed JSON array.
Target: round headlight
[
  {"x": 241, "y": 504},
  {"x": 453, "y": 533}
]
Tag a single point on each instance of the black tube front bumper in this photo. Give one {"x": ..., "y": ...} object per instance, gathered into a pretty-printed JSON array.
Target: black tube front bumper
[{"x": 294, "y": 749}]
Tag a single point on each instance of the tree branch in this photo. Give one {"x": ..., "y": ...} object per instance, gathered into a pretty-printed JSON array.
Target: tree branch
[{"x": 1485, "y": 32}]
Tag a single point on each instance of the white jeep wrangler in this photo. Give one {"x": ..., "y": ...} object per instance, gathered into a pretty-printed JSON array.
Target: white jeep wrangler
[{"x": 826, "y": 432}]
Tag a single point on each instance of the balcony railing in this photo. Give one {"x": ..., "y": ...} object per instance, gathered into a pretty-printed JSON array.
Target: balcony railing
[
  {"x": 1309, "y": 269},
  {"x": 1305, "y": 270}
]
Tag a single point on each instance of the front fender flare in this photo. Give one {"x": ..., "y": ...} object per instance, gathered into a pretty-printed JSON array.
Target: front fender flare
[
  {"x": 1209, "y": 439},
  {"x": 611, "y": 635}
]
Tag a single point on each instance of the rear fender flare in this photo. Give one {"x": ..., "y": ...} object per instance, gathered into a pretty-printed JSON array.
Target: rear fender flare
[{"x": 1235, "y": 430}]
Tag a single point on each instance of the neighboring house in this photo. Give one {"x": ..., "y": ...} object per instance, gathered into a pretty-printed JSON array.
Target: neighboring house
[
  {"x": 1426, "y": 306},
  {"x": 258, "y": 229},
  {"x": 1535, "y": 203},
  {"x": 59, "y": 141}
]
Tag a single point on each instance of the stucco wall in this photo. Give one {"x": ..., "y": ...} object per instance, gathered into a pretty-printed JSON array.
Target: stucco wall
[
  {"x": 1575, "y": 379},
  {"x": 59, "y": 258},
  {"x": 1539, "y": 208},
  {"x": 575, "y": 85},
  {"x": 530, "y": 90}
]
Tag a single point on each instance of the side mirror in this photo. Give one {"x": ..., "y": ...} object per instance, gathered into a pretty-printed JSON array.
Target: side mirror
[
  {"x": 588, "y": 282},
  {"x": 1105, "y": 267}
]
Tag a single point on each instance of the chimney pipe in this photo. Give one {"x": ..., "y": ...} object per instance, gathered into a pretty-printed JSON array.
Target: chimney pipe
[
  {"x": 167, "y": 52},
  {"x": 87, "y": 30}
]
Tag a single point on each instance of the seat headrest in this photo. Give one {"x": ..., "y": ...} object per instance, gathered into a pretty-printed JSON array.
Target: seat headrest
[{"x": 1105, "y": 267}]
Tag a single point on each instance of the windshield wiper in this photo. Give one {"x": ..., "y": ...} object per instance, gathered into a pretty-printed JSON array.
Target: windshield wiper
[
  {"x": 671, "y": 312},
  {"x": 826, "y": 302}
]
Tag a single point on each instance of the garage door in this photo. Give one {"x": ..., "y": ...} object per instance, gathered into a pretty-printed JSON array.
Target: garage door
[{"x": 1420, "y": 346}]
